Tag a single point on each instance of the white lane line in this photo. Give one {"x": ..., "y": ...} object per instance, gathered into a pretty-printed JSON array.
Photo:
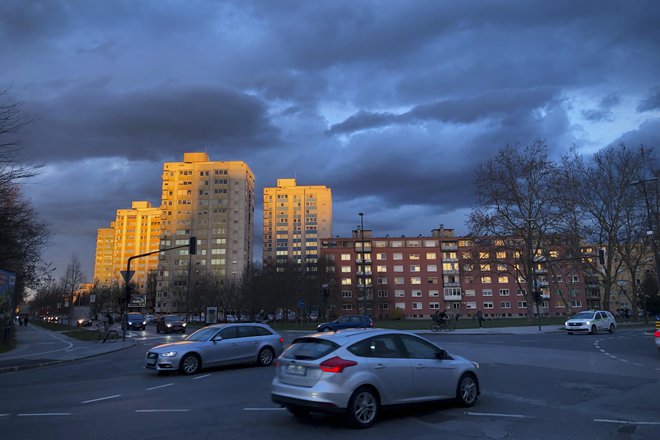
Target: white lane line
[
  {"x": 625, "y": 422},
  {"x": 160, "y": 410},
  {"x": 515, "y": 416},
  {"x": 102, "y": 398},
  {"x": 5, "y": 415},
  {"x": 264, "y": 409},
  {"x": 201, "y": 377},
  {"x": 638, "y": 365},
  {"x": 42, "y": 414},
  {"x": 160, "y": 386}
]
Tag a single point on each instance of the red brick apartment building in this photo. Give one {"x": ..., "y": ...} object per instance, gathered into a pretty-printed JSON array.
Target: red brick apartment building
[{"x": 414, "y": 277}]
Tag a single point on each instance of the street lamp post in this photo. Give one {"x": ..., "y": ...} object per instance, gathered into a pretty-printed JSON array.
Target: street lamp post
[
  {"x": 362, "y": 305},
  {"x": 652, "y": 220}
]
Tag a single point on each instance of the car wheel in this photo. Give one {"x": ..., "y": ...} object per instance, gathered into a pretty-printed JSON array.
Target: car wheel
[
  {"x": 363, "y": 408},
  {"x": 612, "y": 328},
  {"x": 265, "y": 357},
  {"x": 594, "y": 330},
  {"x": 570, "y": 333},
  {"x": 190, "y": 364},
  {"x": 298, "y": 411},
  {"x": 467, "y": 390}
]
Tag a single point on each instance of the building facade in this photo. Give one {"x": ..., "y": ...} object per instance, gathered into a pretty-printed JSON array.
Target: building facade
[
  {"x": 415, "y": 277},
  {"x": 214, "y": 202},
  {"x": 135, "y": 231},
  {"x": 295, "y": 219}
]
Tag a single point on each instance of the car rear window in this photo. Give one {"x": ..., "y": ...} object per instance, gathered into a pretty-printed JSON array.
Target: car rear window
[{"x": 310, "y": 349}]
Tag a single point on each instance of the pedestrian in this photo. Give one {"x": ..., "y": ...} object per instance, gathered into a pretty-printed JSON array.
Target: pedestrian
[{"x": 480, "y": 317}]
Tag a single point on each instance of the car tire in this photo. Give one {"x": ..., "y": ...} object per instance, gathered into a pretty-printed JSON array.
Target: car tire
[
  {"x": 190, "y": 364},
  {"x": 265, "y": 357},
  {"x": 594, "y": 330},
  {"x": 298, "y": 411},
  {"x": 363, "y": 408},
  {"x": 612, "y": 328},
  {"x": 467, "y": 390},
  {"x": 570, "y": 333}
]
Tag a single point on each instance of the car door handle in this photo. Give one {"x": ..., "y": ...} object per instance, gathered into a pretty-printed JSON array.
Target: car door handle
[
  {"x": 420, "y": 366},
  {"x": 379, "y": 366}
]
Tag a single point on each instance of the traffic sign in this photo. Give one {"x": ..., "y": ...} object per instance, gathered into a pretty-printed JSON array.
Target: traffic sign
[
  {"x": 127, "y": 275},
  {"x": 301, "y": 303}
]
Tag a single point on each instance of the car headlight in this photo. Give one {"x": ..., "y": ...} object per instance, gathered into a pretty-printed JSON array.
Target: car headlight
[
  {"x": 169, "y": 325},
  {"x": 144, "y": 322},
  {"x": 184, "y": 324},
  {"x": 168, "y": 354}
]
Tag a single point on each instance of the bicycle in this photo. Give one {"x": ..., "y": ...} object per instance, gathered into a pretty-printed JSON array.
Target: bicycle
[
  {"x": 101, "y": 335},
  {"x": 446, "y": 325}
]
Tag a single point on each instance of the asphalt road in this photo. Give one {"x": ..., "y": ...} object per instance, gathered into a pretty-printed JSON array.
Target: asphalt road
[{"x": 545, "y": 386}]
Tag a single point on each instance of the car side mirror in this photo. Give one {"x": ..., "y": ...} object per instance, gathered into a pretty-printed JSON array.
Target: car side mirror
[
  {"x": 217, "y": 338},
  {"x": 442, "y": 354}
]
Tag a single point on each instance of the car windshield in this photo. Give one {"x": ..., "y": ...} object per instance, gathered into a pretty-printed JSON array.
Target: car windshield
[
  {"x": 172, "y": 318},
  {"x": 135, "y": 317},
  {"x": 202, "y": 334},
  {"x": 310, "y": 349},
  {"x": 584, "y": 315}
]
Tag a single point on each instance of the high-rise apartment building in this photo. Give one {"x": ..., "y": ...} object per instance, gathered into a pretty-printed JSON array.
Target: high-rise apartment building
[
  {"x": 295, "y": 218},
  {"x": 103, "y": 262},
  {"x": 135, "y": 231},
  {"x": 214, "y": 202}
]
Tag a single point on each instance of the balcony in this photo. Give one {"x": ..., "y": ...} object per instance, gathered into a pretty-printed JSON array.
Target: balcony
[
  {"x": 449, "y": 246},
  {"x": 452, "y": 297},
  {"x": 359, "y": 261}
]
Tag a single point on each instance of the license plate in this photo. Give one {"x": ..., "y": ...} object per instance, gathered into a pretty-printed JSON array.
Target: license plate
[{"x": 296, "y": 370}]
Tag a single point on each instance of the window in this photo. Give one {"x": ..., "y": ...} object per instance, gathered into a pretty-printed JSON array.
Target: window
[
  {"x": 346, "y": 294},
  {"x": 414, "y": 256},
  {"x": 346, "y": 269},
  {"x": 398, "y": 280},
  {"x": 430, "y": 255},
  {"x": 346, "y": 282},
  {"x": 504, "y": 292},
  {"x": 484, "y": 267},
  {"x": 505, "y": 304},
  {"x": 418, "y": 348},
  {"x": 432, "y": 268},
  {"x": 471, "y": 305},
  {"x": 397, "y": 256},
  {"x": 522, "y": 304},
  {"x": 434, "y": 293},
  {"x": 399, "y": 293},
  {"x": 575, "y": 279},
  {"x": 383, "y": 306},
  {"x": 487, "y": 292},
  {"x": 347, "y": 306},
  {"x": 417, "y": 306},
  {"x": 381, "y": 256},
  {"x": 381, "y": 280},
  {"x": 382, "y": 294},
  {"x": 501, "y": 255},
  {"x": 397, "y": 269},
  {"x": 415, "y": 280},
  {"x": 414, "y": 268},
  {"x": 417, "y": 293},
  {"x": 381, "y": 268},
  {"x": 576, "y": 303},
  {"x": 503, "y": 279},
  {"x": 485, "y": 280},
  {"x": 345, "y": 257},
  {"x": 469, "y": 292},
  {"x": 488, "y": 305},
  {"x": 432, "y": 280},
  {"x": 434, "y": 306},
  {"x": 484, "y": 255}
]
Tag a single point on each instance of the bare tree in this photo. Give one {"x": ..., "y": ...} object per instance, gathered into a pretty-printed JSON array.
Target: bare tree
[{"x": 517, "y": 210}]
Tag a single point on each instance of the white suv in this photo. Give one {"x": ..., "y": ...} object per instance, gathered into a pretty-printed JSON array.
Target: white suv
[{"x": 591, "y": 321}]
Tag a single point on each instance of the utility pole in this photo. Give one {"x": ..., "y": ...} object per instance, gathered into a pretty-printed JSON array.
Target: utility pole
[{"x": 362, "y": 300}]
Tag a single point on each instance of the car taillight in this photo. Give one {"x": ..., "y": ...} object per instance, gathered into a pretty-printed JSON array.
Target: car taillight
[
  {"x": 281, "y": 340},
  {"x": 657, "y": 333},
  {"x": 336, "y": 365},
  {"x": 371, "y": 324}
]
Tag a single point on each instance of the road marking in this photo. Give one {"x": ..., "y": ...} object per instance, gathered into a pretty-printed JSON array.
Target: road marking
[
  {"x": 5, "y": 415},
  {"x": 101, "y": 398},
  {"x": 264, "y": 409},
  {"x": 160, "y": 410},
  {"x": 625, "y": 422},
  {"x": 160, "y": 386},
  {"x": 42, "y": 414},
  {"x": 201, "y": 377},
  {"x": 515, "y": 416}
]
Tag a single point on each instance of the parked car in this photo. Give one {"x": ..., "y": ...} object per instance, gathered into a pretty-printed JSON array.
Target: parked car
[
  {"x": 591, "y": 321},
  {"x": 349, "y": 321},
  {"x": 231, "y": 318},
  {"x": 358, "y": 371},
  {"x": 170, "y": 323},
  {"x": 151, "y": 319},
  {"x": 136, "y": 321},
  {"x": 84, "y": 322},
  {"x": 657, "y": 338},
  {"x": 218, "y": 344}
]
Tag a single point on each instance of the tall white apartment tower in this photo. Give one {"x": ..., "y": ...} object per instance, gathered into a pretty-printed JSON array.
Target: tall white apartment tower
[
  {"x": 295, "y": 218},
  {"x": 214, "y": 202}
]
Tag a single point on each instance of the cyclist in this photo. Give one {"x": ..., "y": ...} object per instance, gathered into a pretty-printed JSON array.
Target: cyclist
[
  {"x": 107, "y": 322},
  {"x": 440, "y": 317}
]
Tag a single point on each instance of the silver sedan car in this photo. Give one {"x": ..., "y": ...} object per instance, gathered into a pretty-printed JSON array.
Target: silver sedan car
[
  {"x": 216, "y": 345},
  {"x": 358, "y": 371}
]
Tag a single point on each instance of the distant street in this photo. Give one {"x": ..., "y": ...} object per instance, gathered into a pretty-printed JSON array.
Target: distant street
[{"x": 539, "y": 386}]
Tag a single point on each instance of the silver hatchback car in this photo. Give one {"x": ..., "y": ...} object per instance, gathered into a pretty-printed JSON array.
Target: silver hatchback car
[
  {"x": 357, "y": 371},
  {"x": 591, "y": 321},
  {"x": 215, "y": 345}
]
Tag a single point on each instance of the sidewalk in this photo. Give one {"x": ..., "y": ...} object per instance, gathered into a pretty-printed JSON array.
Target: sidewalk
[{"x": 38, "y": 347}]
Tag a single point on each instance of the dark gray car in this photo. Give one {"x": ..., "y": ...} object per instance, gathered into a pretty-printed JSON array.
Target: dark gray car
[{"x": 215, "y": 345}]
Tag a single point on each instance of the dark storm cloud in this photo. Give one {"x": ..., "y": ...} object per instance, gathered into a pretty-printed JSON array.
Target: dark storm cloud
[
  {"x": 146, "y": 124},
  {"x": 651, "y": 101},
  {"x": 604, "y": 110}
]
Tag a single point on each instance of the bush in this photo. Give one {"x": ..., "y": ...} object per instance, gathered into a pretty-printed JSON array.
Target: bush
[{"x": 397, "y": 314}]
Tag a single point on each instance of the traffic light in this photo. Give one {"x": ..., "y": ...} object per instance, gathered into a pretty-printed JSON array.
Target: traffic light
[
  {"x": 601, "y": 256},
  {"x": 192, "y": 246}
]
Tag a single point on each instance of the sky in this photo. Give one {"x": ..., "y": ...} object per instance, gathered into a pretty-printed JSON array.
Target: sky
[{"x": 392, "y": 104}]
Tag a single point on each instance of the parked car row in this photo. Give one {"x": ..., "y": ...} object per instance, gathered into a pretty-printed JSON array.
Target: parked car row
[{"x": 355, "y": 371}]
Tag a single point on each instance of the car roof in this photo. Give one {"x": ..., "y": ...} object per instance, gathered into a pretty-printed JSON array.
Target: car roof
[
  {"x": 236, "y": 324},
  {"x": 350, "y": 335}
]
